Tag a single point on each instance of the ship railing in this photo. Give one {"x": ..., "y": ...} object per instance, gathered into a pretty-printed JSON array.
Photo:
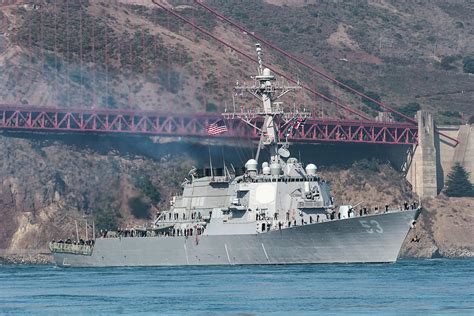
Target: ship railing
[
  {"x": 76, "y": 249},
  {"x": 368, "y": 211},
  {"x": 197, "y": 220}
]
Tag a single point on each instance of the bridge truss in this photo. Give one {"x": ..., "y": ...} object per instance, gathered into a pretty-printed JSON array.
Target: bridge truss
[{"x": 38, "y": 119}]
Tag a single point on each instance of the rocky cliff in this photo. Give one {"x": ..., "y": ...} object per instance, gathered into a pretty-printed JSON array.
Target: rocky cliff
[
  {"x": 444, "y": 229},
  {"x": 47, "y": 186}
]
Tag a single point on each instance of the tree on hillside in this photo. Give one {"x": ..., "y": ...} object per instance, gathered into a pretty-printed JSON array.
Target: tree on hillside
[
  {"x": 409, "y": 110},
  {"x": 458, "y": 183},
  {"x": 468, "y": 66},
  {"x": 471, "y": 120},
  {"x": 447, "y": 62},
  {"x": 375, "y": 96}
]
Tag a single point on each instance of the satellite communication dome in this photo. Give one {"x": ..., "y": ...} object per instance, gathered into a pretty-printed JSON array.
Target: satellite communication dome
[
  {"x": 275, "y": 169},
  {"x": 311, "y": 169},
  {"x": 251, "y": 165},
  {"x": 266, "y": 170},
  {"x": 267, "y": 72},
  {"x": 264, "y": 164},
  {"x": 292, "y": 160}
]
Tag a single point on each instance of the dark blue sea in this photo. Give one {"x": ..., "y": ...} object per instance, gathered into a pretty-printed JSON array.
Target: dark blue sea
[{"x": 422, "y": 287}]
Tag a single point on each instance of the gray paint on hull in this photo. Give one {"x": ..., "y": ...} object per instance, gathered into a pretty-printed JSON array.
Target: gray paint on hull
[{"x": 374, "y": 238}]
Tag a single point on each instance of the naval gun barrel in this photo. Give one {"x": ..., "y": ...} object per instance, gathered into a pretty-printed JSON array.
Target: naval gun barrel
[{"x": 357, "y": 204}]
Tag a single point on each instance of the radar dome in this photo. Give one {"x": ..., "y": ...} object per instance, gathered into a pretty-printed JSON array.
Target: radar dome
[
  {"x": 267, "y": 72},
  {"x": 311, "y": 169},
  {"x": 292, "y": 160},
  {"x": 264, "y": 164},
  {"x": 251, "y": 165},
  {"x": 266, "y": 170},
  {"x": 275, "y": 169}
]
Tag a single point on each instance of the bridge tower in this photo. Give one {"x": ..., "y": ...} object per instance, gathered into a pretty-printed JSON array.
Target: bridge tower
[{"x": 425, "y": 172}]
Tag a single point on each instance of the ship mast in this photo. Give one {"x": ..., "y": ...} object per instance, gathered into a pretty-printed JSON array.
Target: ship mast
[{"x": 265, "y": 90}]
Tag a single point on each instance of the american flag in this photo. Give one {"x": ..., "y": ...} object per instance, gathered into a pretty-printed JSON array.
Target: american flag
[
  {"x": 295, "y": 123},
  {"x": 298, "y": 122},
  {"x": 217, "y": 128}
]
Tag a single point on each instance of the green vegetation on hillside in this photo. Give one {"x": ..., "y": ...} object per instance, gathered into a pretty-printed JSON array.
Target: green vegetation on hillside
[
  {"x": 107, "y": 219},
  {"x": 410, "y": 109},
  {"x": 351, "y": 83},
  {"x": 149, "y": 194},
  {"x": 139, "y": 207},
  {"x": 375, "y": 96},
  {"x": 468, "y": 65},
  {"x": 147, "y": 188},
  {"x": 447, "y": 62}
]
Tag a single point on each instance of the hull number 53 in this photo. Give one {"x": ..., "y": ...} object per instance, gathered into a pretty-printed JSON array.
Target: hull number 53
[{"x": 372, "y": 226}]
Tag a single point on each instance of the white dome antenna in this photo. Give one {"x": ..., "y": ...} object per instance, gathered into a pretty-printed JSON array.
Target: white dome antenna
[
  {"x": 251, "y": 165},
  {"x": 311, "y": 169}
]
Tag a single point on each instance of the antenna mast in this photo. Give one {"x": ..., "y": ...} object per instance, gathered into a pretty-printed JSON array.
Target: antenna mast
[{"x": 265, "y": 90}]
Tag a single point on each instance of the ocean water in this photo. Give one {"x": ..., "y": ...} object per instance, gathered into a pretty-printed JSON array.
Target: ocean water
[{"x": 422, "y": 287}]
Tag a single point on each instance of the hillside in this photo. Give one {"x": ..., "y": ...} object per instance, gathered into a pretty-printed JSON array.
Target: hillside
[
  {"x": 47, "y": 185},
  {"x": 130, "y": 55},
  {"x": 403, "y": 51}
]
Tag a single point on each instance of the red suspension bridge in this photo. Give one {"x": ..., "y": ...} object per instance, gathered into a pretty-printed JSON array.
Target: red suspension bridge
[
  {"x": 195, "y": 125},
  {"x": 363, "y": 130}
]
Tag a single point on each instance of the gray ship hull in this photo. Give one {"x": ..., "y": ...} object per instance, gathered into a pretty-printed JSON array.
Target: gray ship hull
[{"x": 367, "y": 239}]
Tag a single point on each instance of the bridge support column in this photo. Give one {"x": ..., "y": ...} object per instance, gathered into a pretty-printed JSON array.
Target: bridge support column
[{"x": 424, "y": 172}]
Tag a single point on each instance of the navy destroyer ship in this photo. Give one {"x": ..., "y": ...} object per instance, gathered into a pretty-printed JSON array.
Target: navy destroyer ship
[{"x": 275, "y": 212}]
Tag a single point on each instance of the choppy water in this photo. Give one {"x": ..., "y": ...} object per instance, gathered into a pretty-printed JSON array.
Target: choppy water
[{"x": 407, "y": 287}]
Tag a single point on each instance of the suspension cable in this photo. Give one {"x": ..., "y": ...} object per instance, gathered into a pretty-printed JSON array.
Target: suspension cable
[
  {"x": 301, "y": 62},
  {"x": 308, "y": 66},
  {"x": 276, "y": 71}
]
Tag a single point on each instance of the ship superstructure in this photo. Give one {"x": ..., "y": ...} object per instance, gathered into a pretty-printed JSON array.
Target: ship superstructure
[{"x": 273, "y": 212}]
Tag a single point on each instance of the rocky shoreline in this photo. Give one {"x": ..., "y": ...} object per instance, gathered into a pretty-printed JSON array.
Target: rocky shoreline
[
  {"x": 47, "y": 259},
  {"x": 21, "y": 259}
]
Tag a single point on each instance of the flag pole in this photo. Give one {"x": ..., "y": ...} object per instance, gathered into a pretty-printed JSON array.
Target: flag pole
[{"x": 210, "y": 161}]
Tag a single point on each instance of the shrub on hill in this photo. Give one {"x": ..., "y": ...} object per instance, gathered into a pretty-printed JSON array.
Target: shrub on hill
[
  {"x": 468, "y": 65},
  {"x": 106, "y": 218},
  {"x": 410, "y": 109},
  {"x": 146, "y": 186},
  {"x": 211, "y": 107},
  {"x": 138, "y": 207},
  {"x": 351, "y": 83},
  {"x": 372, "y": 104},
  {"x": 458, "y": 184},
  {"x": 447, "y": 62}
]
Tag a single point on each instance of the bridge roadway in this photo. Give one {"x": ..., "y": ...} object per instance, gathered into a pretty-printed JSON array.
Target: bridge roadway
[{"x": 194, "y": 125}]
